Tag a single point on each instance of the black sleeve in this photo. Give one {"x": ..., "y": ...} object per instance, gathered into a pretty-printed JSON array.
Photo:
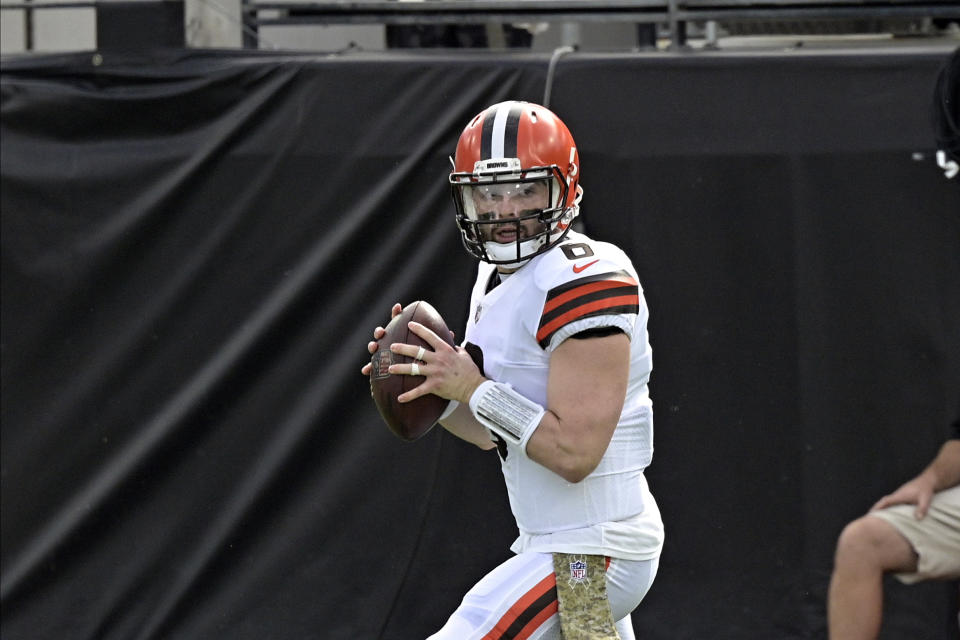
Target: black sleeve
[{"x": 599, "y": 332}]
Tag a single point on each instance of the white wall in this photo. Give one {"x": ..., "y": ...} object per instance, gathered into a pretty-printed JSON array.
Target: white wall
[{"x": 53, "y": 29}]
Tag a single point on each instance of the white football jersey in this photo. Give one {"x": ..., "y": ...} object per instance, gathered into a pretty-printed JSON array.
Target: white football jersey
[{"x": 580, "y": 284}]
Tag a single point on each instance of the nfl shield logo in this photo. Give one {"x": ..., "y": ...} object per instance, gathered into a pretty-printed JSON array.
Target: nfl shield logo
[
  {"x": 578, "y": 571},
  {"x": 381, "y": 362}
]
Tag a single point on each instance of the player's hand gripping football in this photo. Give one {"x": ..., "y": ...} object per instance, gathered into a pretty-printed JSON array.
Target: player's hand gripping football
[
  {"x": 378, "y": 333},
  {"x": 450, "y": 372}
]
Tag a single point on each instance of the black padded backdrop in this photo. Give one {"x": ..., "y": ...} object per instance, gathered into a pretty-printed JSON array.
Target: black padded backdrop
[{"x": 197, "y": 245}]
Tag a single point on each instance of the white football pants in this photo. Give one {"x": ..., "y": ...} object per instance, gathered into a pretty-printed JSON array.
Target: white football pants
[{"x": 518, "y": 600}]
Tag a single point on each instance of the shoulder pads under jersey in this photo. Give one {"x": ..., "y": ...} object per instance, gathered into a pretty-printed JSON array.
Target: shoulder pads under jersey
[
  {"x": 585, "y": 286},
  {"x": 578, "y": 257}
]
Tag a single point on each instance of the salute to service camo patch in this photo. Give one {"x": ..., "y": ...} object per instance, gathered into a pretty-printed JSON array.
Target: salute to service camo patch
[{"x": 582, "y": 593}]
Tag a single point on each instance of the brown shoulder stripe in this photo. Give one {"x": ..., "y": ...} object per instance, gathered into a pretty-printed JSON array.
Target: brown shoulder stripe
[{"x": 609, "y": 293}]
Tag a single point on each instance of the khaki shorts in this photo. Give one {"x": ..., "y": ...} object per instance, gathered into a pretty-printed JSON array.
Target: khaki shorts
[{"x": 936, "y": 538}]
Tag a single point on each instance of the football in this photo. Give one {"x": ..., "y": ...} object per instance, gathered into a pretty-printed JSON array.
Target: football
[{"x": 409, "y": 420}]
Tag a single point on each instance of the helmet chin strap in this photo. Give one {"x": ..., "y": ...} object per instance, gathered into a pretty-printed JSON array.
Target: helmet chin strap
[
  {"x": 498, "y": 251},
  {"x": 529, "y": 248},
  {"x": 504, "y": 255}
]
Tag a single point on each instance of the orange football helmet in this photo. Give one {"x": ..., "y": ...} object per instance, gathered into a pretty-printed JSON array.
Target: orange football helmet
[{"x": 509, "y": 151}]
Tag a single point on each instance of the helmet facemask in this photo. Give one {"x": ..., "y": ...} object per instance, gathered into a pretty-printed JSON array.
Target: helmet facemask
[{"x": 507, "y": 215}]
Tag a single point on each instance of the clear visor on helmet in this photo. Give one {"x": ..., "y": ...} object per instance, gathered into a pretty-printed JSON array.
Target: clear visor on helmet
[
  {"x": 506, "y": 214},
  {"x": 508, "y": 211}
]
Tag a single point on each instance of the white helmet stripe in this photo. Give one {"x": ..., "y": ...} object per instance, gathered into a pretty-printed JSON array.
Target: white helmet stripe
[{"x": 499, "y": 127}]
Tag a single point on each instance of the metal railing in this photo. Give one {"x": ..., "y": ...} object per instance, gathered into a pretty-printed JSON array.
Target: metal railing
[{"x": 672, "y": 16}]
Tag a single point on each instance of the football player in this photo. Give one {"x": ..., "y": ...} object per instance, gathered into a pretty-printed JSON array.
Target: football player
[{"x": 553, "y": 374}]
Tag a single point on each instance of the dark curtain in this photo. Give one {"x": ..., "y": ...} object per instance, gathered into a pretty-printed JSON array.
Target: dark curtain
[{"x": 197, "y": 246}]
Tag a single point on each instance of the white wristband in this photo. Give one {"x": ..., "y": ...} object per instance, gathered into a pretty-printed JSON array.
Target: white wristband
[
  {"x": 505, "y": 412},
  {"x": 451, "y": 407}
]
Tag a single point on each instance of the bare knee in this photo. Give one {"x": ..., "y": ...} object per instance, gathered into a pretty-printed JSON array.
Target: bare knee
[
  {"x": 873, "y": 544},
  {"x": 857, "y": 543}
]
